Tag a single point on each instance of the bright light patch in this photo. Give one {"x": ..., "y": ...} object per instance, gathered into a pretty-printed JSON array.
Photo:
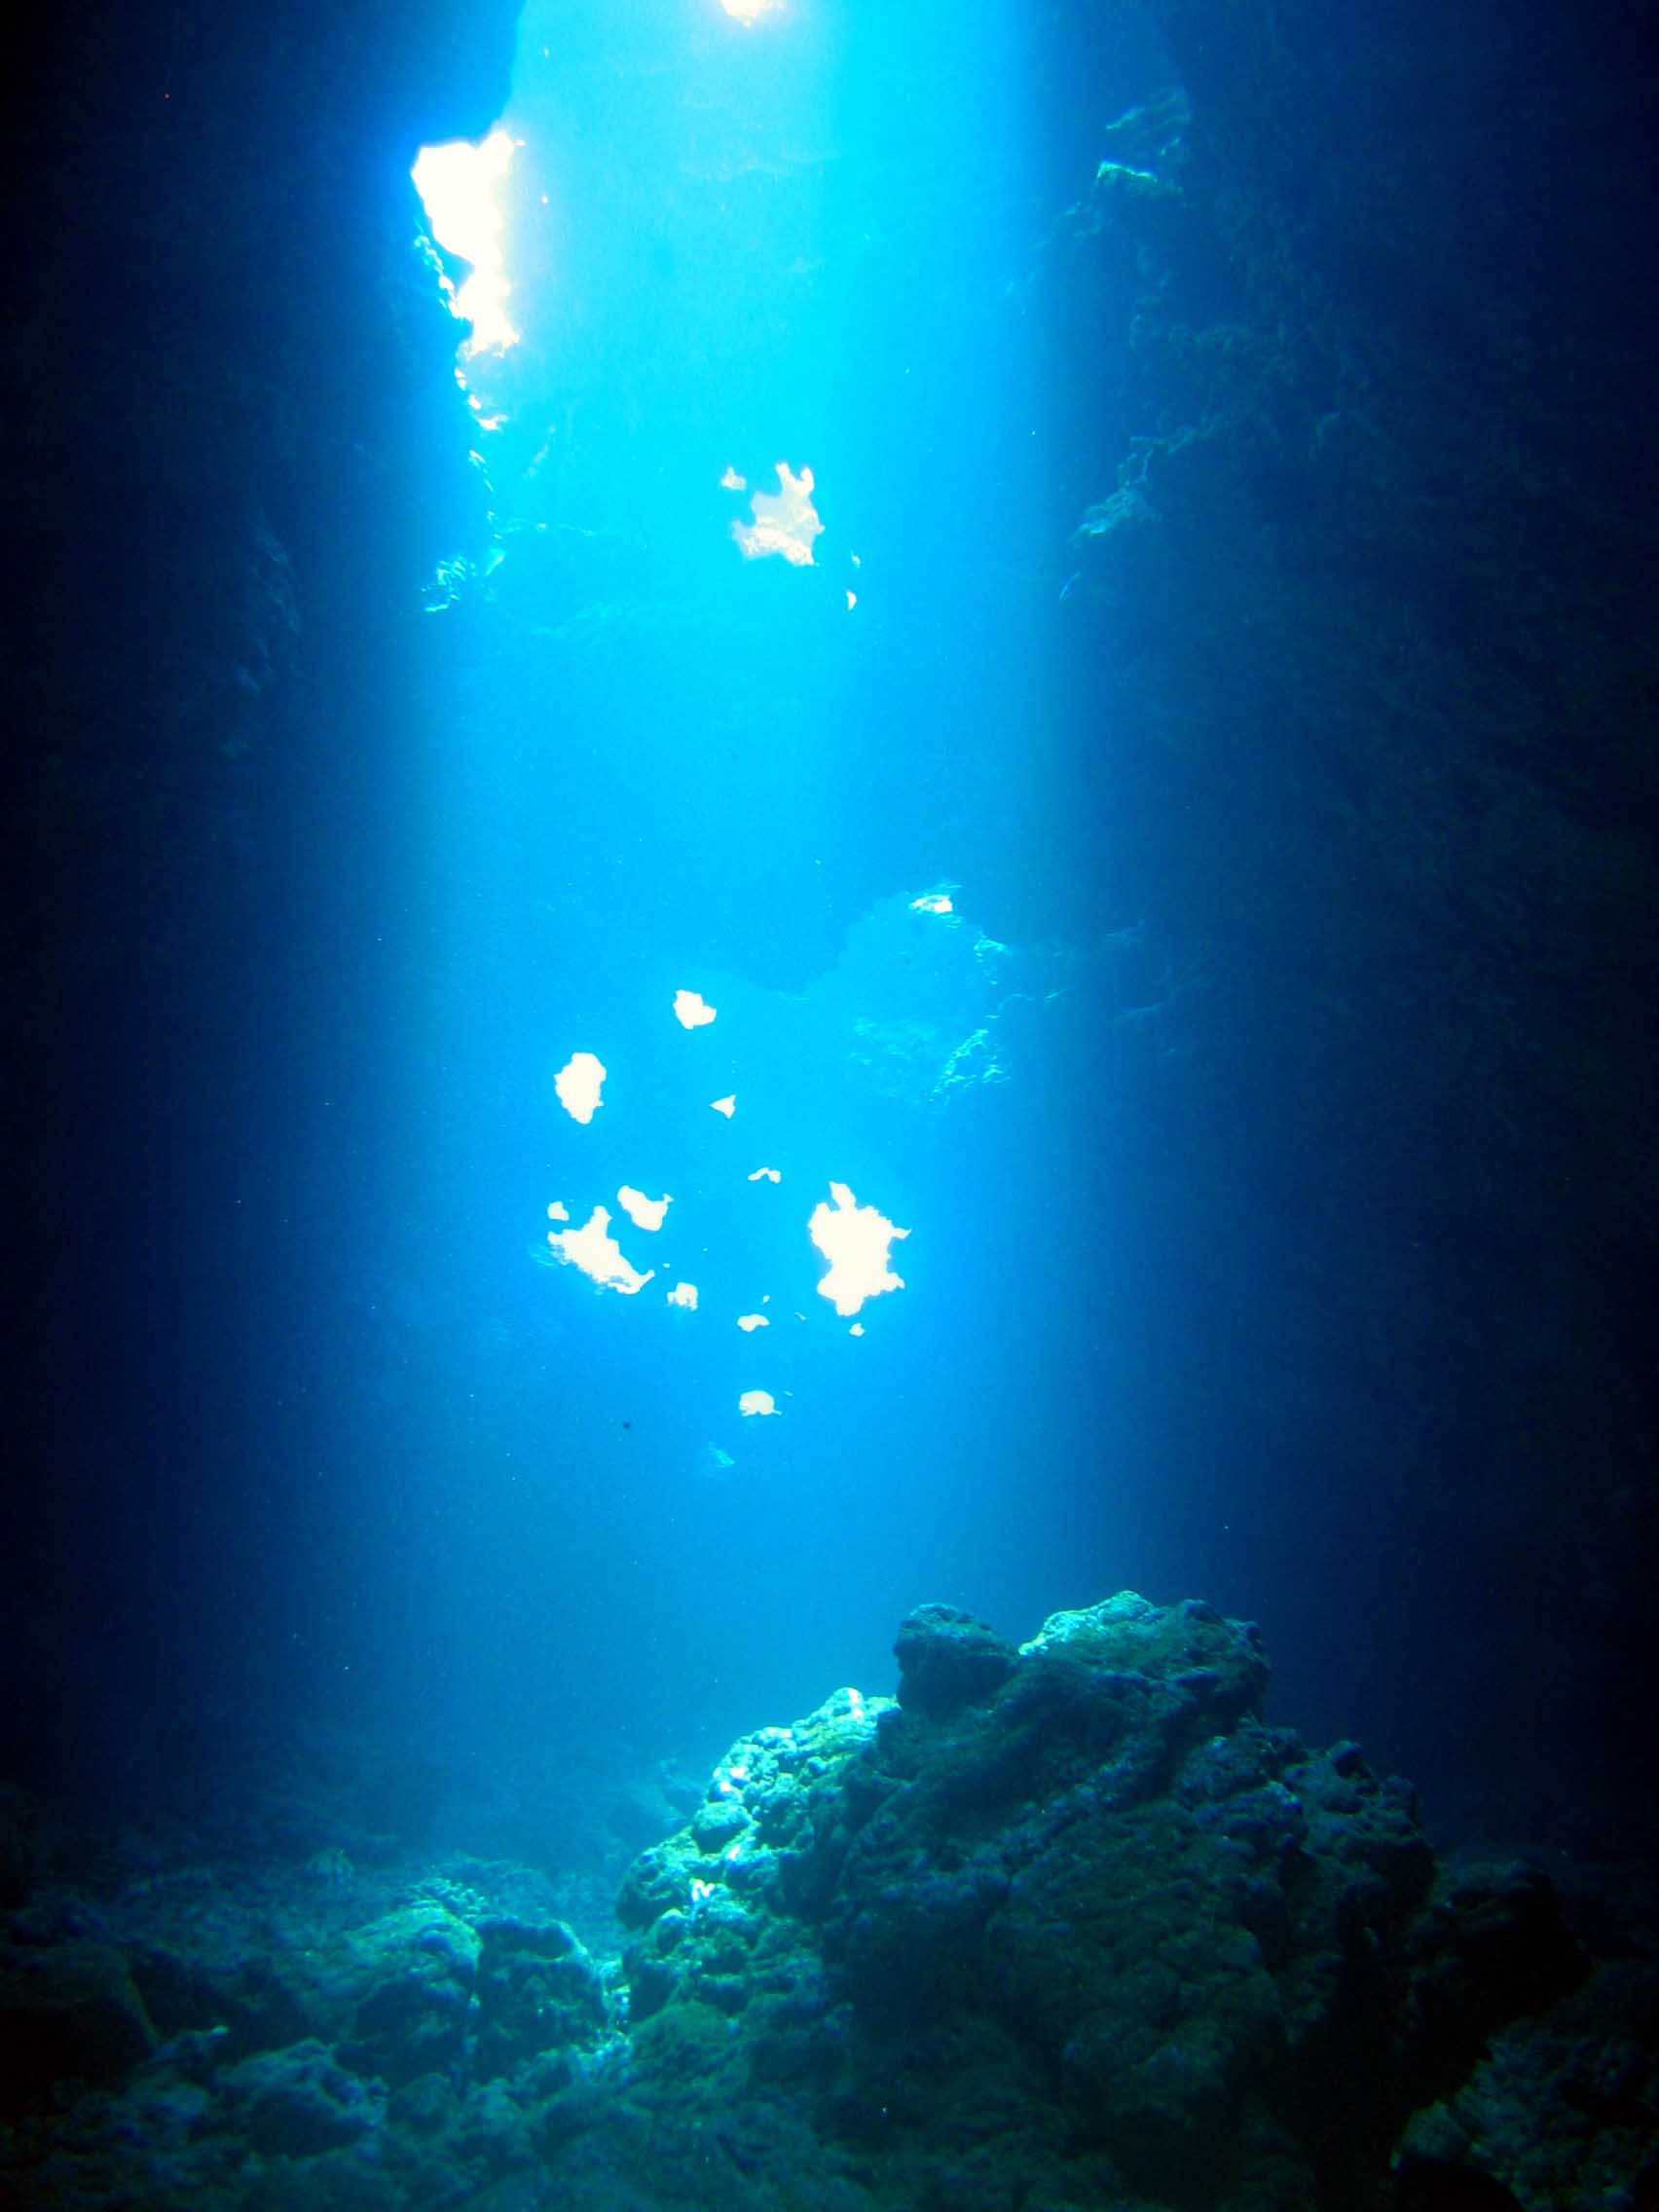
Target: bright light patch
[
  {"x": 692, "y": 1011},
  {"x": 726, "y": 1106},
  {"x": 932, "y": 903},
  {"x": 749, "y": 13},
  {"x": 597, "y": 1253},
  {"x": 786, "y": 521},
  {"x": 643, "y": 1212},
  {"x": 765, "y": 1175},
  {"x": 852, "y": 601},
  {"x": 750, "y": 1322},
  {"x": 579, "y": 1083},
  {"x": 756, "y": 1402},
  {"x": 456, "y": 184},
  {"x": 558, "y": 1212},
  {"x": 857, "y": 1329},
  {"x": 685, "y": 1294},
  {"x": 855, "y": 1241},
  {"x": 730, "y": 481}
]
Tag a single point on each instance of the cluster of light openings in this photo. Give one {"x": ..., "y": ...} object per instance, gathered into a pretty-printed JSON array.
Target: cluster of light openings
[
  {"x": 856, "y": 1240},
  {"x": 459, "y": 186}
]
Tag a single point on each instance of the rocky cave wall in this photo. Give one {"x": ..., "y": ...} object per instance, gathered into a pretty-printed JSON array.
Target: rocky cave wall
[
  {"x": 1377, "y": 572},
  {"x": 236, "y": 450}
]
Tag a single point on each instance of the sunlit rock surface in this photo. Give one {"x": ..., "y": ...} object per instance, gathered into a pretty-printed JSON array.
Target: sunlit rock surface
[{"x": 917, "y": 997}]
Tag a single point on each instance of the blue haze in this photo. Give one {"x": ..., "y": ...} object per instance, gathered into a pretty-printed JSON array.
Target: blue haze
[{"x": 654, "y": 764}]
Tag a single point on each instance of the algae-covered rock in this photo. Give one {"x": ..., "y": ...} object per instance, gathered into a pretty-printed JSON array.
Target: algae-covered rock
[
  {"x": 295, "y": 2103},
  {"x": 1072, "y": 1927},
  {"x": 403, "y": 1987},
  {"x": 948, "y": 1659},
  {"x": 1085, "y": 1889},
  {"x": 1560, "y": 2109}
]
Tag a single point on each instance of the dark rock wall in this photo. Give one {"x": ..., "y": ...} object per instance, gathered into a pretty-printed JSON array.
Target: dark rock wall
[
  {"x": 1371, "y": 584},
  {"x": 236, "y": 447}
]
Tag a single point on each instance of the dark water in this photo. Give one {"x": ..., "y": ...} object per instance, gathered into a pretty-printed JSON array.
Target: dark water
[{"x": 355, "y": 1455}]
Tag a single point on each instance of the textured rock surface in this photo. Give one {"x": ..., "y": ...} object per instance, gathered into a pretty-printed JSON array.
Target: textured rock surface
[
  {"x": 1085, "y": 1932},
  {"x": 948, "y": 1659},
  {"x": 1098, "y": 1927},
  {"x": 1563, "y": 2110},
  {"x": 380, "y": 2041}
]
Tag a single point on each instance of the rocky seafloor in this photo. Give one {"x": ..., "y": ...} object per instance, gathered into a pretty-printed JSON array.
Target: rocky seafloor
[{"x": 1060, "y": 1927}]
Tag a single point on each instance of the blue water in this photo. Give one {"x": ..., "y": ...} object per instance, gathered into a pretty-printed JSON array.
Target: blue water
[
  {"x": 397, "y": 1470},
  {"x": 649, "y": 766}
]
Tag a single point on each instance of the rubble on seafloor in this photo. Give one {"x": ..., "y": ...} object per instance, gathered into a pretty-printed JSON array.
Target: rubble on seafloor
[{"x": 1061, "y": 1926}]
